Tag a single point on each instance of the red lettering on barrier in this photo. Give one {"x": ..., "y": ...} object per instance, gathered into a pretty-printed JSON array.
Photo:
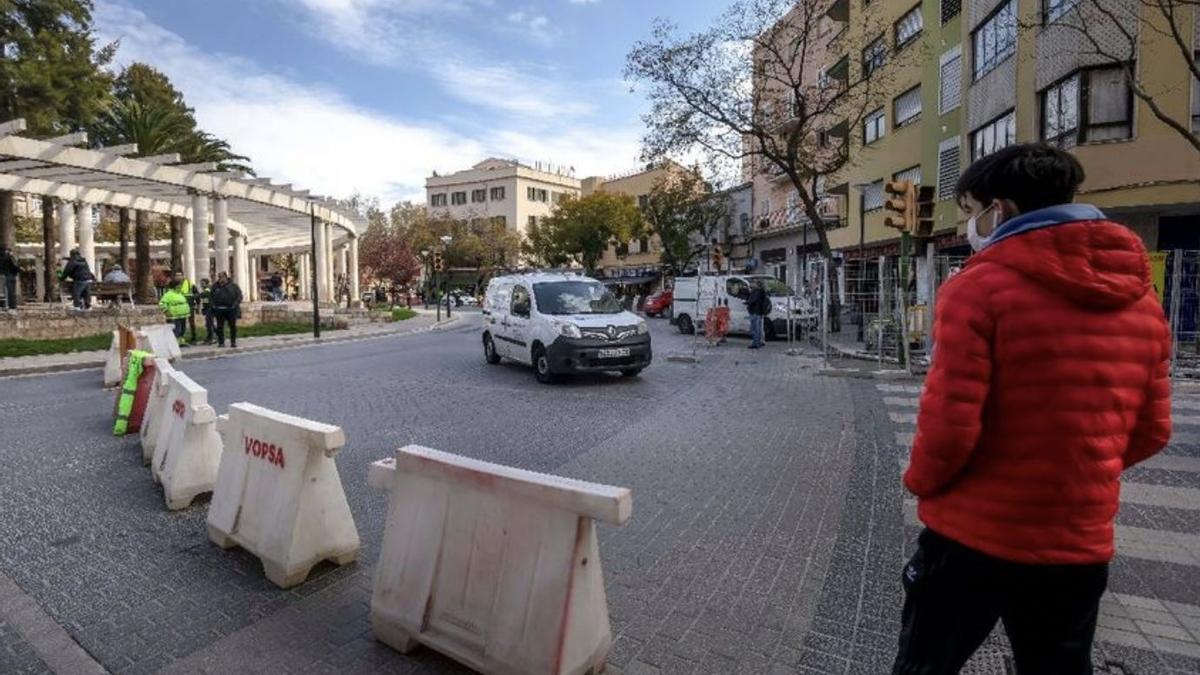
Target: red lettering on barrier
[
  {"x": 268, "y": 452},
  {"x": 177, "y": 407}
]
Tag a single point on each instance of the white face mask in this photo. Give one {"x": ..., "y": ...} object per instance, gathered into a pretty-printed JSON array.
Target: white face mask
[{"x": 977, "y": 241}]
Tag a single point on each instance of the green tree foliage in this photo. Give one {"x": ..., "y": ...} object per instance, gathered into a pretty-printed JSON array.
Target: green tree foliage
[
  {"x": 685, "y": 214},
  {"x": 51, "y": 73},
  {"x": 580, "y": 229}
]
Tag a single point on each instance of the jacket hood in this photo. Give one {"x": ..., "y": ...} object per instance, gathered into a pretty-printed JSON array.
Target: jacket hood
[{"x": 1092, "y": 263}]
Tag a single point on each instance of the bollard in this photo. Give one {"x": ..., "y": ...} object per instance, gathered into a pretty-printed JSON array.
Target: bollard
[
  {"x": 278, "y": 493},
  {"x": 188, "y": 449},
  {"x": 151, "y": 421},
  {"x": 159, "y": 340},
  {"x": 496, "y": 567}
]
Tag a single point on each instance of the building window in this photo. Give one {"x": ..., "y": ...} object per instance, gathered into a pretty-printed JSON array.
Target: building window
[
  {"x": 543, "y": 196},
  {"x": 438, "y": 199},
  {"x": 532, "y": 221},
  {"x": 948, "y": 168},
  {"x": 531, "y": 193},
  {"x": 950, "y": 83},
  {"x": 873, "y": 126},
  {"x": 623, "y": 248},
  {"x": 1060, "y": 112},
  {"x": 912, "y": 174},
  {"x": 458, "y": 198},
  {"x": 478, "y": 196},
  {"x": 995, "y": 40},
  {"x": 644, "y": 244},
  {"x": 500, "y": 221},
  {"x": 950, "y": 9},
  {"x": 872, "y": 197},
  {"x": 908, "y": 28},
  {"x": 906, "y": 107},
  {"x": 1091, "y": 105},
  {"x": 1053, "y": 9},
  {"x": 498, "y": 194},
  {"x": 999, "y": 133},
  {"x": 874, "y": 56},
  {"x": 1196, "y": 100}
]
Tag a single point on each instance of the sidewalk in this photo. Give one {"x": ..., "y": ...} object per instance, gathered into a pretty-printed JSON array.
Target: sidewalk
[{"x": 52, "y": 363}]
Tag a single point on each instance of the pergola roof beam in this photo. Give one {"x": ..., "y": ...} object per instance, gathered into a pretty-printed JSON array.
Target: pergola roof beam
[
  {"x": 165, "y": 158},
  {"x": 126, "y": 149},
  {"x": 12, "y": 127},
  {"x": 198, "y": 167},
  {"x": 77, "y": 138}
]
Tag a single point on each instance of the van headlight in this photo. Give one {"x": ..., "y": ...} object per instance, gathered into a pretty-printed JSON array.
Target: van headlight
[
  {"x": 569, "y": 330},
  {"x": 642, "y": 328}
]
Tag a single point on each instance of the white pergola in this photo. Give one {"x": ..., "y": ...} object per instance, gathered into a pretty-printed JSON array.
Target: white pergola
[{"x": 249, "y": 217}]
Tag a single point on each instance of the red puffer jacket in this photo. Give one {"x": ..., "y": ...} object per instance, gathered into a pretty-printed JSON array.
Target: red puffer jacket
[{"x": 1049, "y": 377}]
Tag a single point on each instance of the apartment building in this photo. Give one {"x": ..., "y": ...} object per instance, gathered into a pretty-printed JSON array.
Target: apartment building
[
  {"x": 958, "y": 80},
  {"x": 642, "y": 256},
  {"x": 502, "y": 191}
]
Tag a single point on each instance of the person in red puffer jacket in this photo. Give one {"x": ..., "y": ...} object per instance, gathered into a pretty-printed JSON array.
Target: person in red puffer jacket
[{"x": 1050, "y": 376}]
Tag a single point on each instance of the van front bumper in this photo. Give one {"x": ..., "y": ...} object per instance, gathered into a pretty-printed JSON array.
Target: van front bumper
[{"x": 582, "y": 355}]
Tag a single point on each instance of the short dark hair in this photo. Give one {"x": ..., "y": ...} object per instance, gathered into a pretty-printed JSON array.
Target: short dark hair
[{"x": 1032, "y": 175}]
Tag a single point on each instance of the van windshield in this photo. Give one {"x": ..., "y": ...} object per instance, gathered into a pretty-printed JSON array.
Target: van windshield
[
  {"x": 575, "y": 297},
  {"x": 774, "y": 287}
]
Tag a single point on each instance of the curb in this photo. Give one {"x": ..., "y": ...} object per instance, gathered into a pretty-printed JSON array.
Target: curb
[{"x": 98, "y": 364}]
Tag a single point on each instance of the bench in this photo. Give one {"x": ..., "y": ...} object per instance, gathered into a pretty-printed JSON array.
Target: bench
[{"x": 113, "y": 292}]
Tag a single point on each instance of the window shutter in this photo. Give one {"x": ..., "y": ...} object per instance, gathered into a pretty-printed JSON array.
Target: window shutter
[
  {"x": 908, "y": 106},
  {"x": 948, "y": 168},
  {"x": 951, "y": 82}
]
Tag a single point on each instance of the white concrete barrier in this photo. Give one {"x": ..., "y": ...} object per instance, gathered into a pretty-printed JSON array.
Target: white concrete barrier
[
  {"x": 123, "y": 340},
  {"x": 188, "y": 450},
  {"x": 159, "y": 340},
  {"x": 496, "y": 567},
  {"x": 156, "y": 409},
  {"x": 279, "y": 495}
]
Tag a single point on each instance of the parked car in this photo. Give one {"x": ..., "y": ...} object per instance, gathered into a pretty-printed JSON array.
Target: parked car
[
  {"x": 659, "y": 303},
  {"x": 562, "y": 323},
  {"x": 694, "y": 296}
]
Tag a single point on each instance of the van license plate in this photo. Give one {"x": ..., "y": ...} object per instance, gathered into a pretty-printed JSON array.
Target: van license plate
[{"x": 613, "y": 353}]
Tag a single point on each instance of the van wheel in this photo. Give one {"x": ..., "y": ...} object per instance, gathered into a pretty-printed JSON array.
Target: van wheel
[
  {"x": 685, "y": 325},
  {"x": 631, "y": 372},
  {"x": 541, "y": 367},
  {"x": 489, "y": 350}
]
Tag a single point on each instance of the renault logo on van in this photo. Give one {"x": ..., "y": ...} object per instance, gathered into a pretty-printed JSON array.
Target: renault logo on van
[{"x": 612, "y": 332}]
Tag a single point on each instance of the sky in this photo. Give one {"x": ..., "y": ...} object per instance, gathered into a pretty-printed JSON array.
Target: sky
[{"x": 371, "y": 96}]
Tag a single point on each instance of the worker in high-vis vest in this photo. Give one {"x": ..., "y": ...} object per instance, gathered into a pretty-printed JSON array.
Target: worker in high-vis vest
[
  {"x": 177, "y": 308},
  {"x": 129, "y": 391},
  {"x": 189, "y": 291}
]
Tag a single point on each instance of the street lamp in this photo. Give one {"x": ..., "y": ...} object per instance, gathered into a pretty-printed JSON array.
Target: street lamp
[
  {"x": 446, "y": 239},
  {"x": 312, "y": 210},
  {"x": 862, "y": 266}
]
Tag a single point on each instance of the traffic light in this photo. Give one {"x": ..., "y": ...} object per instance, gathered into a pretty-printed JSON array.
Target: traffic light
[
  {"x": 439, "y": 263},
  {"x": 718, "y": 259},
  {"x": 926, "y": 200},
  {"x": 902, "y": 202}
]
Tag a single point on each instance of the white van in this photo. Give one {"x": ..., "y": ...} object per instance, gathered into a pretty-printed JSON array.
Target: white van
[
  {"x": 694, "y": 296},
  {"x": 561, "y": 323}
]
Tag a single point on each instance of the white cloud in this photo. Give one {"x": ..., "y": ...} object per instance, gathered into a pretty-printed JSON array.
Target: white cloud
[{"x": 314, "y": 137}]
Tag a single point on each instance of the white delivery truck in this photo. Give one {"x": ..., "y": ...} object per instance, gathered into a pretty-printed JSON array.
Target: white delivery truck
[{"x": 694, "y": 296}]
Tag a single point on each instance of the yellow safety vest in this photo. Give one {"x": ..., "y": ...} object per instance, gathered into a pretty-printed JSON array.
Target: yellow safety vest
[{"x": 129, "y": 391}]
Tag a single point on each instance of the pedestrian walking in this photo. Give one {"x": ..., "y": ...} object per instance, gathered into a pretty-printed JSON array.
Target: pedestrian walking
[
  {"x": 226, "y": 308},
  {"x": 758, "y": 305},
  {"x": 176, "y": 308},
  {"x": 10, "y": 270},
  {"x": 76, "y": 271},
  {"x": 1050, "y": 378}
]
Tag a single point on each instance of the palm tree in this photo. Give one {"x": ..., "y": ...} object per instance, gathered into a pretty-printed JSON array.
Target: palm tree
[
  {"x": 156, "y": 129},
  {"x": 202, "y": 146}
]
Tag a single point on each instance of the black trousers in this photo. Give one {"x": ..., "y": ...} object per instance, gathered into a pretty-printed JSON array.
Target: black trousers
[
  {"x": 81, "y": 294},
  {"x": 224, "y": 318},
  {"x": 955, "y": 595},
  {"x": 179, "y": 327},
  {"x": 210, "y": 326},
  {"x": 10, "y": 291}
]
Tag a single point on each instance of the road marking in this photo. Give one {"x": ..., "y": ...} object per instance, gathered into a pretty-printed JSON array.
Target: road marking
[
  {"x": 904, "y": 439},
  {"x": 48, "y": 640},
  {"x": 903, "y": 418},
  {"x": 1161, "y": 495},
  {"x": 907, "y": 402},
  {"x": 1173, "y": 463},
  {"x": 1185, "y": 403},
  {"x": 899, "y": 388},
  {"x": 1185, "y": 419}
]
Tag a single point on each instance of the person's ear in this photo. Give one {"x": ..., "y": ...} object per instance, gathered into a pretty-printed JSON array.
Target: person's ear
[{"x": 1007, "y": 209}]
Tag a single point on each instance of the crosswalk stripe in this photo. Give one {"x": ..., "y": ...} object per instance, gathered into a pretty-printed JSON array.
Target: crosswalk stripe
[
  {"x": 899, "y": 388},
  {"x": 1185, "y": 403},
  {"x": 1135, "y": 542},
  {"x": 902, "y": 418},
  {"x": 904, "y": 439},
  {"x": 1173, "y": 463},
  {"x": 1188, "y": 420},
  {"x": 904, "y": 402},
  {"x": 1161, "y": 495}
]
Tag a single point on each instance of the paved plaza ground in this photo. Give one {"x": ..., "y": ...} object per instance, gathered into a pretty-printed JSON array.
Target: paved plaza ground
[{"x": 769, "y": 524}]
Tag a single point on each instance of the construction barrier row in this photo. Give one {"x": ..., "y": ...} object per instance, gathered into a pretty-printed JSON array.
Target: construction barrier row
[
  {"x": 493, "y": 566},
  {"x": 159, "y": 340}
]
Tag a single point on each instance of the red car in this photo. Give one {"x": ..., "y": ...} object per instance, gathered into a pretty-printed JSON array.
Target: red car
[{"x": 659, "y": 303}]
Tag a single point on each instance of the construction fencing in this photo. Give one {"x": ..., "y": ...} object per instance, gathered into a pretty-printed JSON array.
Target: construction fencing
[{"x": 880, "y": 310}]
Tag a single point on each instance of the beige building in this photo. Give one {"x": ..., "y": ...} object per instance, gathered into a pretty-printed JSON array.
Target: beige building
[
  {"x": 500, "y": 190},
  {"x": 641, "y": 256}
]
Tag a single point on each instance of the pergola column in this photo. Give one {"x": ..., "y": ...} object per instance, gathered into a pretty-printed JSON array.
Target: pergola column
[
  {"x": 87, "y": 235},
  {"x": 352, "y": 270},
  {"x": 66, "y": 228},
  {"x": 189, "y": 252},
  {"x": 320, "y": 261},
  {"x": 329, "y": 278},
  {"x": 39, "y": 265},
  {"x": 239, "y": 262},
  {"x": 302, "y": 275},
  {"x": 221, "y": 233},
  {"x": 339, "y": 261},
  {"x": 200, "y": 235},
  {"x": 252, "y": 275}
]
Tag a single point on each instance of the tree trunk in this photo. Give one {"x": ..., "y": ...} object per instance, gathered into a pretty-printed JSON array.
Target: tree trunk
[
  {"x": 176, "y": 244},
  {"x": 49, "y": 276},
  {"x": 144, "y": 283},
  {"x": 123, "y": 238},
  {"x": 8, "y": 222}
]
